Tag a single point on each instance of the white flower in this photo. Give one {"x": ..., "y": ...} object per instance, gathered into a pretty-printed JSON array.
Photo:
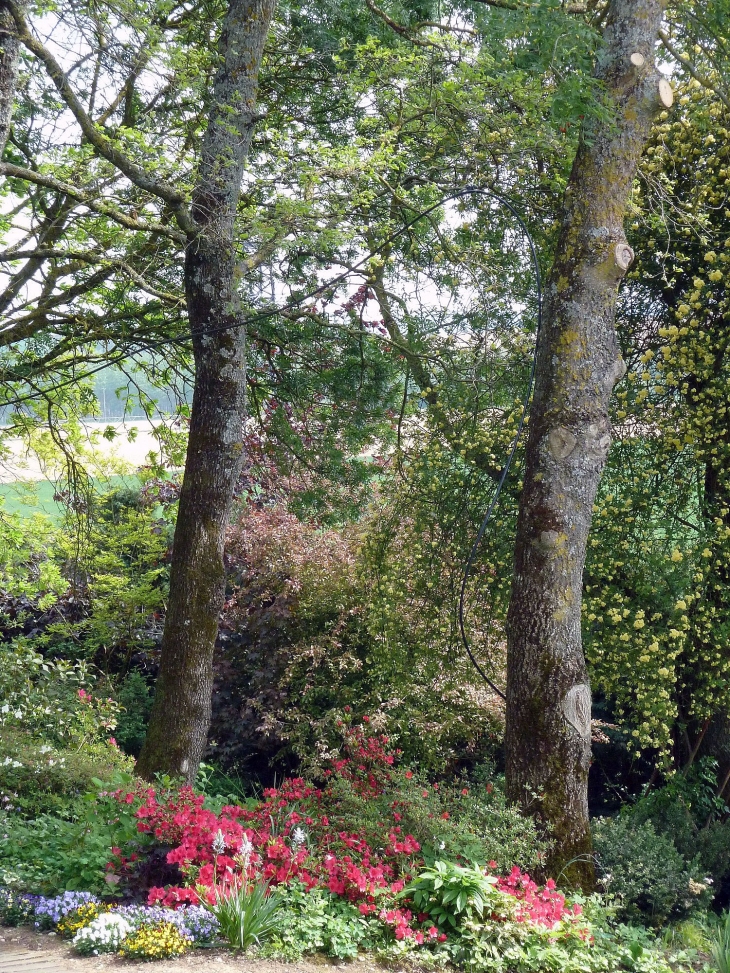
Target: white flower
[
  {"x": 106, "y": 932},
  {"x": 299, "y": 836},
  {"x": 219, "y": 842}
]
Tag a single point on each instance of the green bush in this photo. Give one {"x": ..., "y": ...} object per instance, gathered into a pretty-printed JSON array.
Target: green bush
[
  {"x": 688, "y": 810},
  {"x": 135, "y": 699},
  {"x": 37, "y": 777},
  {"x": 50, "y": 854},
  {"x": 645, "y": 872},
  {"x": 461, "y": 820},
  {"x": 318, "y": 922}
]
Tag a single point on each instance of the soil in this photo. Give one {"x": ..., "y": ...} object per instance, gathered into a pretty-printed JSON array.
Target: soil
[{"x": 62, "y": 959}]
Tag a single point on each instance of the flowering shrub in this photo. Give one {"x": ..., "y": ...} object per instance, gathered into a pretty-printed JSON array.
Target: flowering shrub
[
  {"x": 38, "y": 777},
  {"x": 541, "y": 907},
  {"x": 350, "y": 837},
  {"x": 104, "y": 934},
  {"x": 160, "y": 941},
  {"x": 51, "y": 695}
]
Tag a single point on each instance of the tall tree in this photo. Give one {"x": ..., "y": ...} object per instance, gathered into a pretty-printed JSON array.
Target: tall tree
[
  {"x": 578, "y": 362},
  {"x": 212, "y": 273},
  {"x": 9, "y": 51},
  {"x": 180, "y": 718}
]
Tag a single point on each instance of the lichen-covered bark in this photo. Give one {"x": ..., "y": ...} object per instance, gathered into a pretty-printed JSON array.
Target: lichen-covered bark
[
  {"x": 579, "y": 361},
  {"x": 9, "y": 49},
  {"x": 181, "y": 713}
]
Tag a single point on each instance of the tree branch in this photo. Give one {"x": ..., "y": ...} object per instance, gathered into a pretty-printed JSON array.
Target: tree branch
[
  {"x": 88, "y": 256},
  {"x": 103, "y": 209},
  {"x": 395, "y": 26},
  {"x": 684, "y": 60},
  {"x": 101, "y": 142},
  {"x": 571, "y": 8}
]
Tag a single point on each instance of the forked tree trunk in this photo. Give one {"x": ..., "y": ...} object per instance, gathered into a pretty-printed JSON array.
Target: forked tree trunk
[
  {"x": 9, "y": 50},
  {"x": 548, "y": 737},
  {"x": 181, "y": 713}
]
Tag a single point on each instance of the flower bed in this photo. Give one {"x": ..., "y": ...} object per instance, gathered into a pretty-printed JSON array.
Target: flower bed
[
  {"x": 368, "y": 858},
  {"x": 97, "y": 927},
  {"x": 298, "y": 833}
]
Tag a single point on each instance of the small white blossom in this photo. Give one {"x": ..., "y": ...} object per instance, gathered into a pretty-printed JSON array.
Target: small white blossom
[
  {"x": 299, "y": 836},
  {"x": 103, "y": 934},
  {"x": 219, "y": 842}
]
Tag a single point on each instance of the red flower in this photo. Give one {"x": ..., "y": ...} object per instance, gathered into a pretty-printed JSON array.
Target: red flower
[{"x": 408, "y": 774}]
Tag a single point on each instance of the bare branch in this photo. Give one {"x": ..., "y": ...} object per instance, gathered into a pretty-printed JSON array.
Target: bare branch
[{"x": 89, "y": 257}]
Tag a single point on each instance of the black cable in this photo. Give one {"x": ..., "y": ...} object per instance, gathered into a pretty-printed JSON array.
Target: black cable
[{"x": 271, "y": 312}]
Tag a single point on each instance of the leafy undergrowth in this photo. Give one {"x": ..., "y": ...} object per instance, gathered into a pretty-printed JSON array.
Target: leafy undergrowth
[{"x": 369, "y": 858}]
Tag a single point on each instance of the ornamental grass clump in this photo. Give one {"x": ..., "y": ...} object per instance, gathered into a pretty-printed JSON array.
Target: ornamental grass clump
[
  {"x": 246, "y": 915},
  {"x": 104, "y": 934},
  {"x": 720, "y": 948}
]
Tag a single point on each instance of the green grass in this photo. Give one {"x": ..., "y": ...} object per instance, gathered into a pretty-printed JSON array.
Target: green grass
[{"x": 29, "y": 498}]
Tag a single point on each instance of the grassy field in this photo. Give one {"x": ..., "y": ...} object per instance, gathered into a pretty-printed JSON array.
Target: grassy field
[{"x": 37, "y": 497}]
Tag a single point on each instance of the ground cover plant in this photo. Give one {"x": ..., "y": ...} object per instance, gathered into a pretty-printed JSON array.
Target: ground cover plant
[{"x": 370, "y": 856}]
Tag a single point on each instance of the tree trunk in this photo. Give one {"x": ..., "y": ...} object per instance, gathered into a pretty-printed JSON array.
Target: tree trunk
[
  {"x": 9, "y": 49},
  {"x": 181, "y": 713},
  {"x": 548, "y": 696}
]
